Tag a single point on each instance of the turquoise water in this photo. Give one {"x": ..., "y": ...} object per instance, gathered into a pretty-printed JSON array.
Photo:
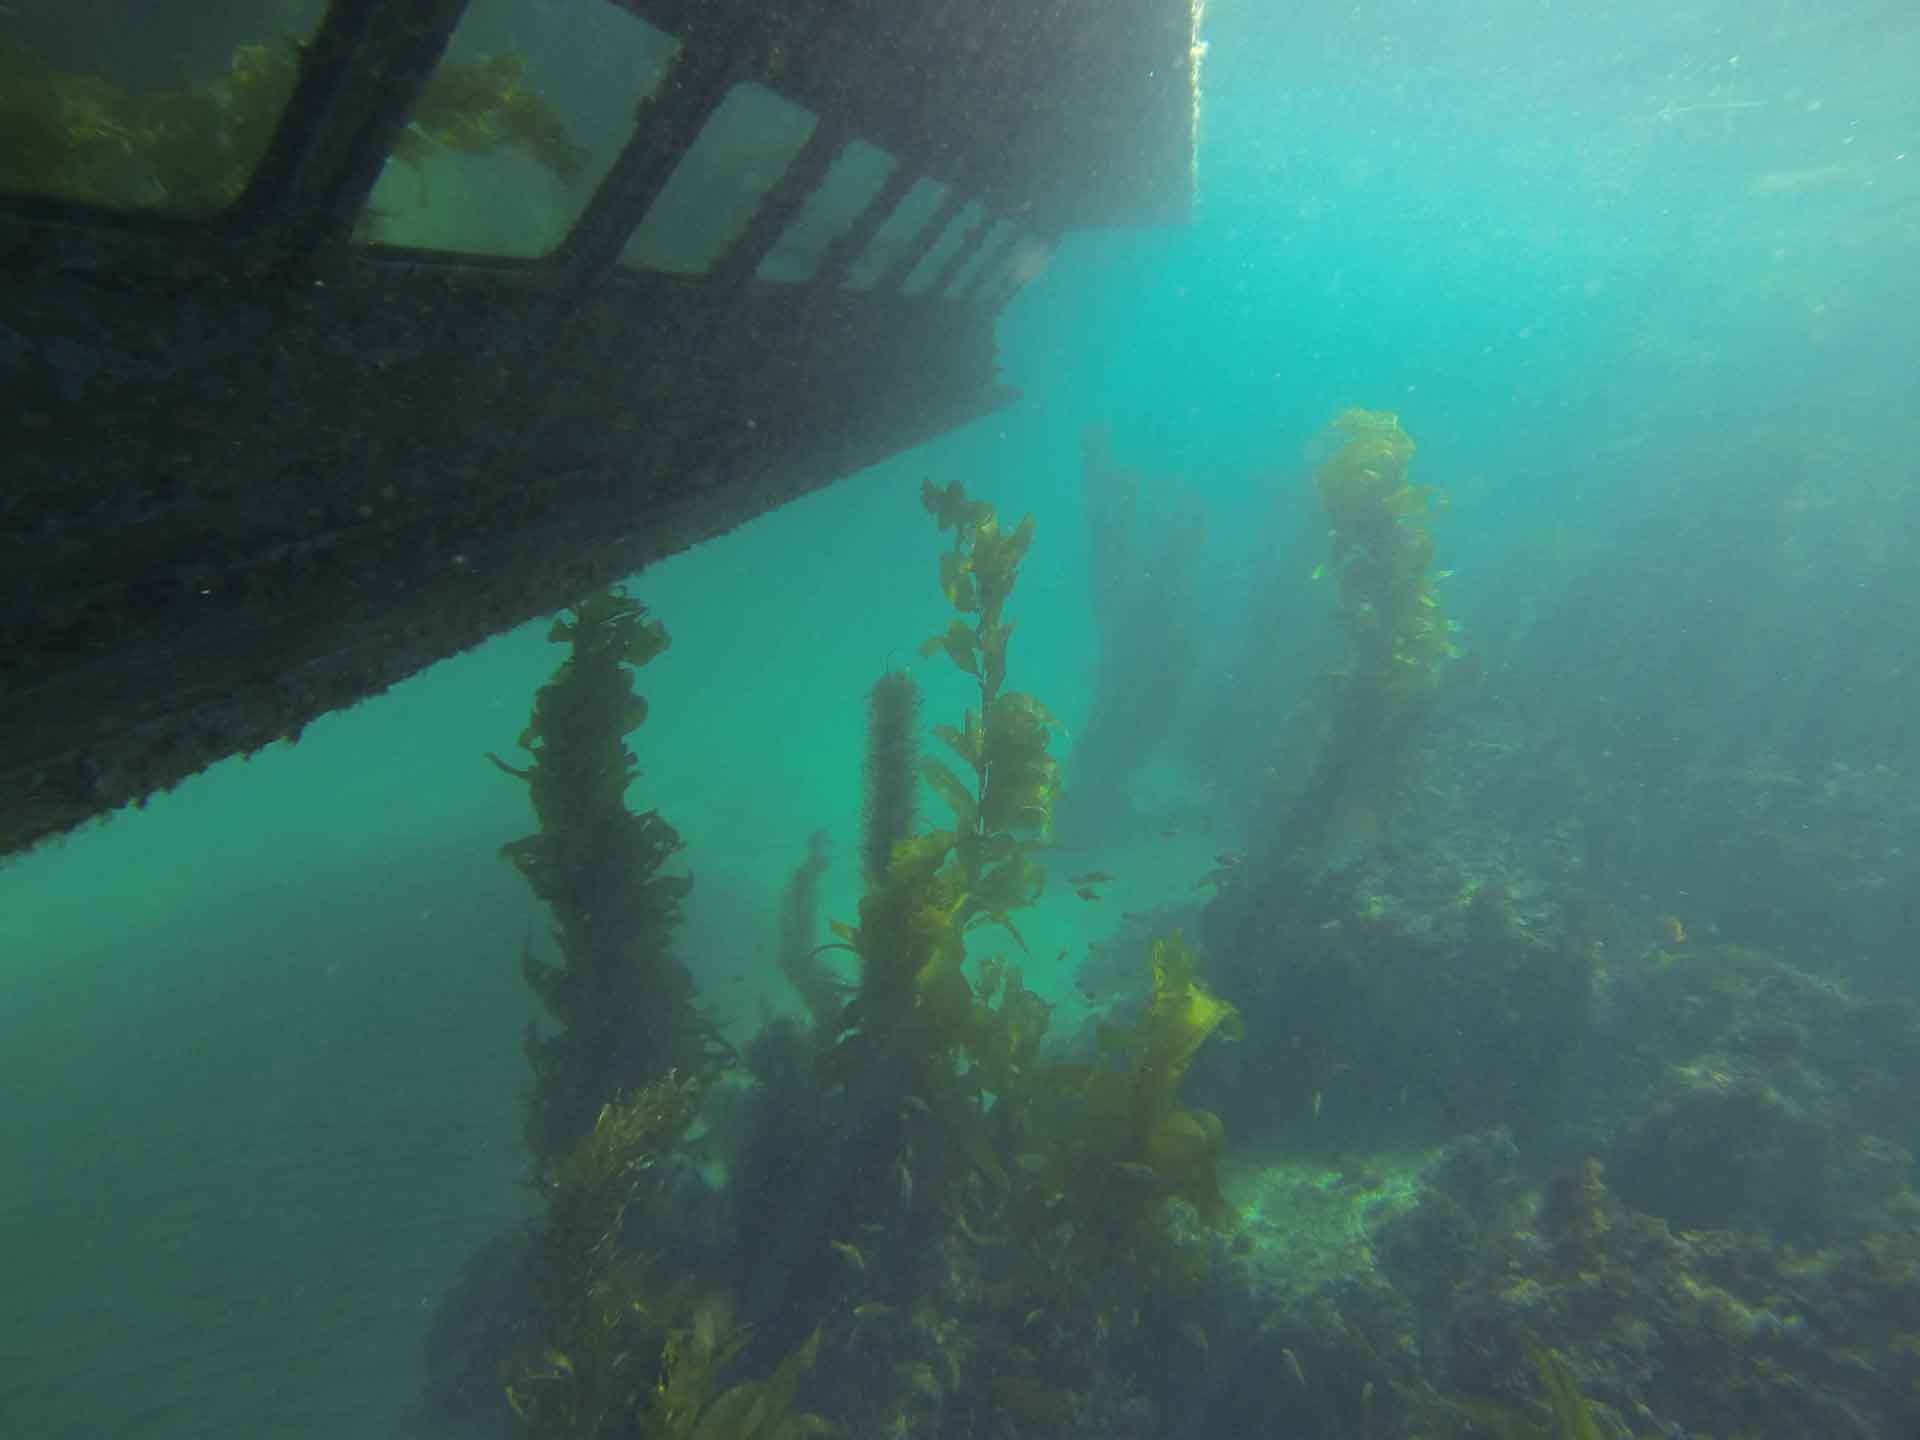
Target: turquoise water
[{"x": 260, "y": 1039}]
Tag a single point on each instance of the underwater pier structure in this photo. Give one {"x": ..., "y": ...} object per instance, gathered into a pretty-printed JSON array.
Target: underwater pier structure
[{"x": 274, "y": 444}]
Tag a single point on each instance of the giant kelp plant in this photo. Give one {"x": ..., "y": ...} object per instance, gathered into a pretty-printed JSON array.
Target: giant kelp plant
[
  {"x": 939, "y": 885},
  {"x": 1398, "y": 641},
  {"x": 918, "y": 1159},
  {"x": 913, "y": 1222},
  {"x": 607, "y": 1347},
  {"x": 1045, "y": 1189},
  {"x": 909, "y": 1056},
  {"x": 622, "y": 1001},
  {"x": 1308, "y": 946}
]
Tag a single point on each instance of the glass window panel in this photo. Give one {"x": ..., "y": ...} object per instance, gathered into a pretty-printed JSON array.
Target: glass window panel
[
  {"x": 741, "y": 153},
  {"x": 111, "y": 104},
  {"x": 945, "y": 248},
  {"x": 521, "y": 121},
  {"x": 985, "y": 254},
  {"x": 852, "y": 181},
  {"x": 897, "y": 233},
  {"x": 1025, "y": 259}
]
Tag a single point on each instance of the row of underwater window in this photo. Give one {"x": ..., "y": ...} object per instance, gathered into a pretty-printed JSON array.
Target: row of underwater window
[{"x": 521, "y": 121}]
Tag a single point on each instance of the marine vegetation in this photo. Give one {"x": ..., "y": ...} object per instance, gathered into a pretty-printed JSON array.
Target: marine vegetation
[
  {"x": 1399, "y": 646},
  {"x": 1086, "y": 1286},
  {"x": 623, "y": 1002},
  {"x": 1069, "y": 1174},
  {"x": 924, "y": 1225},
  {"x": 1573, "y": 1416},
  {"x": 689, "y": 1404},
  {"x": 600, "y": 1357},
  {"x": 1119, "y": 1146},
  {"x": 483, "y": 106},
  {"x": 1681, "y": 1169},
  {"x": 914, "y": 1001},
  {"x": 893, "y": 771},
  {"x": 192, "y": 150},
  {"x": 870, "y": 1130},
  {"x": 982, "y": 1232},
  {"x": 798, "y": 958},
  {"x": 931, "y": 1227},
  {"x": 597, "y": 1298},
  {"x": 81, "y": 137},
  {"x": 607, "y": 1348}
]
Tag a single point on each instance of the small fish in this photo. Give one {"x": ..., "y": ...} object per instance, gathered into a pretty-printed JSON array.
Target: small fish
[
  {"x": 1227, "y": 860},
  {"x": 1031, "y": 1161},
  {"x": 873, "y": 1310},
  {"x": 1194, "y": 1335},
  {"x": 1296, "y": 1372},
  {"x": 851, "y": 1254},
  {"x": 1135, "y": 1170},
  {"x": 1319, "y": 573},
  {"x": 1319, "y": 1099},
  {"x": 916, "y": 1104},
  {"x": 1087, "y": 892},
  {"x": 1671, "y": 930},
  {"x": 1092, "y": 877}
]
